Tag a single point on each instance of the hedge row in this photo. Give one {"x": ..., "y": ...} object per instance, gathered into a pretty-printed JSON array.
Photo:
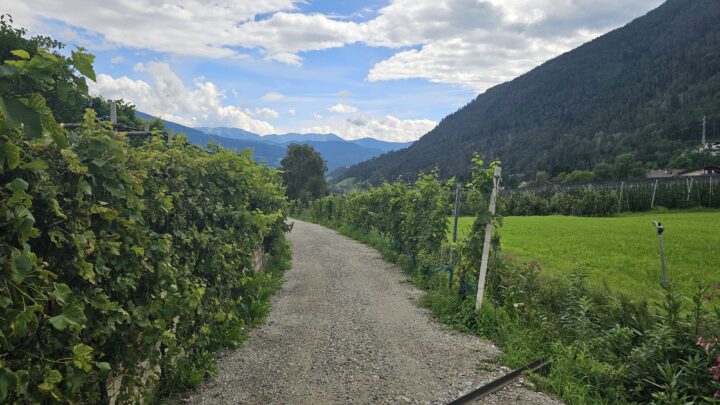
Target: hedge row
[{"x": 125, "y": 264}]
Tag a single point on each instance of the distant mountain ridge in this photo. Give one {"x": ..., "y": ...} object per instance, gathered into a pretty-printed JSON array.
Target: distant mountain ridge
[
  {"x": 337, "y": 151},
  {"x": 641, "y": 89}
]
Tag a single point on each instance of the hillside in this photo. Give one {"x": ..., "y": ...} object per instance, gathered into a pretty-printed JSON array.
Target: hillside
[{"x": 642, "y": 88}]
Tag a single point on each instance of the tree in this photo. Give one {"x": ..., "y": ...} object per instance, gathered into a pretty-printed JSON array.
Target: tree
[
  {"x": 303, "y": 171},
  {"x": 580, "y": 176}
]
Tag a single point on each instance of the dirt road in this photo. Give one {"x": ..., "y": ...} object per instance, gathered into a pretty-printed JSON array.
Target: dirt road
[{"x": 345, "y": 328}]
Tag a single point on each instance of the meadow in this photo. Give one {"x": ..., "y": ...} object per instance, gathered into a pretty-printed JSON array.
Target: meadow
[{"x": 620, "y": 252}]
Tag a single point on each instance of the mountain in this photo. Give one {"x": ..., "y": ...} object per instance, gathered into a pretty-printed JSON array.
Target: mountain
[
  {"x": 232, "y": 133},
  {"x": 262, "y": 151},
  {"x": 382, "y": 145},
  {"x": 303, "y": 138},
  {"x": 271, "y": 149},
  {"x": 642, "y": 89}
]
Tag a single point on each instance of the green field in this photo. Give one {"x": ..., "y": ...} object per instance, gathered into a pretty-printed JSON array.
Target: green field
[{"x": 620, "y": 251}]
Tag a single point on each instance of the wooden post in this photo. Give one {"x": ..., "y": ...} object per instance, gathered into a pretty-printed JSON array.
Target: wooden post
[
  {"x": 147, "y": 128},
  {"x": 486, "y": 243},
  {"x": 652, "y": 202},
  {"x": 170, "y": 134},
  {"x": 113, "y": 113},
  {"x": 622, "y": 186},
  {"x": 456, "y": 216},
  {"x": 457, "y": 212}
]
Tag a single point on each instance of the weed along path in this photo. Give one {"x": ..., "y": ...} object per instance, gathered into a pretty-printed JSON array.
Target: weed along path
[{"x": 345, "y": 328}]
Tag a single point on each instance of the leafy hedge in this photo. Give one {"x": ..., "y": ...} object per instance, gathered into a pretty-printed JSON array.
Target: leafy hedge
[
  {"x": 412, "y": 216},
  {"x": 125, "y": 264}
]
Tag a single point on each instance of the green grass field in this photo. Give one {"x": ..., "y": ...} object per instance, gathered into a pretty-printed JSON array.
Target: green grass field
[{"x": 620, "y": 251}]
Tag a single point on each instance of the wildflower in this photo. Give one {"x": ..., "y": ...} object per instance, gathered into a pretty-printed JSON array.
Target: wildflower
[{"x": 717, "y": 394}]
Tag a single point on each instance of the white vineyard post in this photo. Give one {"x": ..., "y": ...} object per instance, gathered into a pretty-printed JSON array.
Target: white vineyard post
[
  {"x": 486, "y": 243},
  {"x": 652, "y": 202},
  {"x": 113, "y": 113}
]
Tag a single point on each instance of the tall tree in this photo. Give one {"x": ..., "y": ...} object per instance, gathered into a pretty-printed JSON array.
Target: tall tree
[{"x": 303, "y": 170}]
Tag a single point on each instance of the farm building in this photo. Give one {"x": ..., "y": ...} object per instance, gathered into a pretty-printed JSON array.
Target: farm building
[
  {"x": 662, "y": 174},
  {"x": 703, "y": 171}
]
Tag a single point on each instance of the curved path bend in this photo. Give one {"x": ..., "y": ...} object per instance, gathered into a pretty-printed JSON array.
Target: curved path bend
[{"x": 345, "y": 328}]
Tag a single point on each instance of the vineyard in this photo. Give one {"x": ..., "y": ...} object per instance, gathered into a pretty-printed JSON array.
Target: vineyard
[
  {"x": 612, "y": 198},
  {"x": 126, "y": 264},
  {"x": 606, "y": 347}
]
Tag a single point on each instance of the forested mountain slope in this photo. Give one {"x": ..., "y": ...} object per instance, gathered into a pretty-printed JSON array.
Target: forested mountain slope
[{"x": 642, "y": 88}]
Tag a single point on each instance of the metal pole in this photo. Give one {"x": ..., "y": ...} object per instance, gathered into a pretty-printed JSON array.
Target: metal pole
[
  {"x": 456, "y": 216},
  {"x": 486, "y": 244},
  {"x": 660, "y": 229}
]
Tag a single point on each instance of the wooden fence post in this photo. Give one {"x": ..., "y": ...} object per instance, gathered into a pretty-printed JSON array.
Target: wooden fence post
[
  {"x": 456, "y": 216},
  {"x": 486, "y": 243}
]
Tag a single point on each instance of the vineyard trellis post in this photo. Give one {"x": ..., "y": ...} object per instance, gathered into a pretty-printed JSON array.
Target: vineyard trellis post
[
  {"x": 488, "y": 237},
  {"x": 113, "y": 113},
  {"x": 652, "y": 201},
  {"x": 456, "y": 216}
]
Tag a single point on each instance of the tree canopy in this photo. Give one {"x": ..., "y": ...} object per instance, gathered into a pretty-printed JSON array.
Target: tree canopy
[{"x": 303, "y": 171}]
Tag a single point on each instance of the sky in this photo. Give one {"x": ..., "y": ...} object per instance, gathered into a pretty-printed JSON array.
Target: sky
[{"x": 387, "y": 69}]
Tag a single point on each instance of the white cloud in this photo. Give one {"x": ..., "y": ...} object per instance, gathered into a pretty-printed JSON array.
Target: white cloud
[
  {"x": 117, "y": 59},
  {"x": 267, "y": 113},
  {"x": 342, "y": 108},
  {"x": 317, "y": 116},
  {"x": 291, "y": 112},
  {"x": 473, "y": 43},
  {"x": 188, "y": 27},
  {"x": 344, "y": 94},
  {"x": 272, "y": 96},
  {"x": 388, "y": 128},
  {"x": 167, "y": 96}
]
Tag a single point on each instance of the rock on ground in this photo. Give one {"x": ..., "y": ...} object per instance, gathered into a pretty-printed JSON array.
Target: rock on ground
[{"x": 345, "y": 328}]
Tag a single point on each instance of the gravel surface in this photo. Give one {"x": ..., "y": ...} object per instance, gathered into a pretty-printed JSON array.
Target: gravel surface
[{"x": 345, "y": 328}]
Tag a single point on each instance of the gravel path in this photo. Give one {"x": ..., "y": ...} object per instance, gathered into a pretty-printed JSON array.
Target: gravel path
[{"x": 345, "y": 328}]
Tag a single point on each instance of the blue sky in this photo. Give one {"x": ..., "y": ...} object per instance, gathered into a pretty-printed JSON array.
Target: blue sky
[{"x": 388, "y": 69}]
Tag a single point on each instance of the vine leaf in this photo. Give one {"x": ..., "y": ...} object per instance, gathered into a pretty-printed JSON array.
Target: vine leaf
[
  {"x": 72, "y": 315},
  {"x": 25, "y": 321},
  {"x": 62, "y": 292},
  {"x": 21, "y": 266},
  {"x": 21, "y": 53},
  {"x": 8, "y": 381},
  {"x": 51, "y": 378},
  {"x": 83, "y": 62},
  {"x": 18, "y": 113},
  {"x": 82, "y": 357}
]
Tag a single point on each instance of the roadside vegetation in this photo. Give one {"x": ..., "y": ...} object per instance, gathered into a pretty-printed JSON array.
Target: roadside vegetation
[
  {"x": 605, "y": 346},
  {"x": 126, "y": 263}
]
